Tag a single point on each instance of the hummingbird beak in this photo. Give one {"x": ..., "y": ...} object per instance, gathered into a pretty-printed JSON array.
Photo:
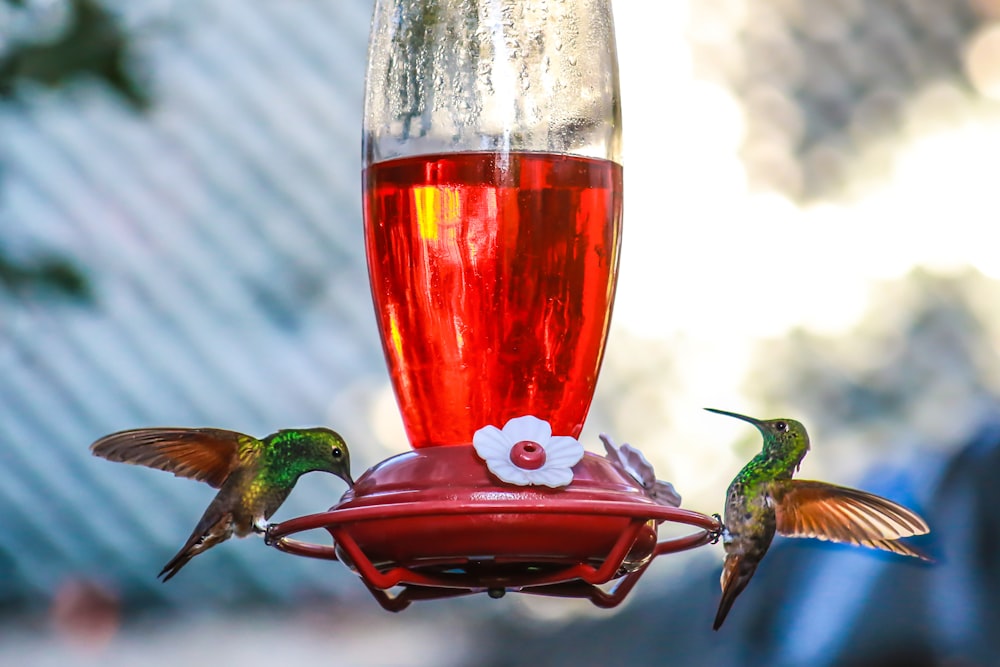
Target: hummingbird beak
[{"x": 755, "y": 422}]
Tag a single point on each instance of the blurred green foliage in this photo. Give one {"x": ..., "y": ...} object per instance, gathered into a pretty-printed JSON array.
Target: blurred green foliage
[
  {"x": 43, "y": 276},
  {"x": 92, "y": 45}
]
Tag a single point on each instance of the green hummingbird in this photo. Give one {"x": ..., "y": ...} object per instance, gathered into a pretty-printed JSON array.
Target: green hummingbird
[
  {"x": 764, "y": 499},
  {"x": 253, "y": 476}
]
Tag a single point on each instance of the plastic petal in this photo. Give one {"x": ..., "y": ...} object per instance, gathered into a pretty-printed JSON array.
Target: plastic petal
[
  {"x": 664, "y": 493},
  {"x": 551, "y": 476},
  {"x": 509, "y": 472},
  {"x": 490, "y": 442},
  {"x": 637, "y": 465},
  {"x": 528, "y": 428},
  {"x": 632, "y": 462},
  {"x": 563, "y": 451}
]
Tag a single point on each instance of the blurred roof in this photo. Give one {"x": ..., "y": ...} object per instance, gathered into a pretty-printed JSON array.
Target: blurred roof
[{"x": 220, "y": 234}]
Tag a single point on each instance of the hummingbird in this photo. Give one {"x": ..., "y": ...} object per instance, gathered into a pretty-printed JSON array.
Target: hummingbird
[
  {"x": 254, "y": 477},
  {"x": 764, "y": 499}
]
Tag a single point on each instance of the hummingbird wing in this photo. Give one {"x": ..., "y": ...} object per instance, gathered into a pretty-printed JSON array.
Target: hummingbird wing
[
  {"x": 839, "y": 514},
  {"x": 205, "y": 454}
]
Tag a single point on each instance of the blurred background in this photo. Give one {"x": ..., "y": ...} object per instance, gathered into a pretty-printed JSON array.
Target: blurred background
[{"x": 810, "y": 231}]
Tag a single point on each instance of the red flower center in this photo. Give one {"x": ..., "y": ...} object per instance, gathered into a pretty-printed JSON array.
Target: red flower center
[{"x": 527, "y": 455}]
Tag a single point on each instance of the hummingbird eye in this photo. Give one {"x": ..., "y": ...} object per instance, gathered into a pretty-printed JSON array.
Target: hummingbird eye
[
  {"x": 337, "y": 453},
  {"x": 782, "y": 426}
]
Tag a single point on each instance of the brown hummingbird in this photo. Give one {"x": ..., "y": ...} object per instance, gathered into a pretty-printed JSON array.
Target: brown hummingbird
[
  {"x": 254, "y": 477},
  {"x": 764, "y": 499}
]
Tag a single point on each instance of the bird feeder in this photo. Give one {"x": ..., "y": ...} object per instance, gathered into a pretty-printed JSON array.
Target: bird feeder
[{"x": 493, "y": 204}]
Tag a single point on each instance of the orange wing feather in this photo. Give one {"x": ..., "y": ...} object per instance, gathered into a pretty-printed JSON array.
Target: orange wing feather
[
  {"x": 839, "y": 514},
  {"x": 205, "y": 454}
]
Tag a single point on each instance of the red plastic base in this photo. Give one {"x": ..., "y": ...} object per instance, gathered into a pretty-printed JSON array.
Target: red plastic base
[{"x": 437, "y": 523}]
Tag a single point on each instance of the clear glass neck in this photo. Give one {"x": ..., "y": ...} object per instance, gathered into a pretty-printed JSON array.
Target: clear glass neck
[{"x": 492, "y": 75}]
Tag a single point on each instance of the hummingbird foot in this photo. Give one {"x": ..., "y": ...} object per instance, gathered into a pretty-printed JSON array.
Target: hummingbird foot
[
  {"x": 716, "y": 534},
  {"x": 262, "y": 527}
]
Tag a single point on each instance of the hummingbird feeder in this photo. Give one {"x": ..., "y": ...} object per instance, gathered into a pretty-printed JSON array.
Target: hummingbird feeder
[{"x": 493, "y": 202}]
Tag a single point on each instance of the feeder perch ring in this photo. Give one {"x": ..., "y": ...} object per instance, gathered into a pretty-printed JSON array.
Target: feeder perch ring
[{"x": 435, "y": 523}]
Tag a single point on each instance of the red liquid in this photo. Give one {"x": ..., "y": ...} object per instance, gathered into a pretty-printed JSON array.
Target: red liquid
[{"x": 493, "y": 278}]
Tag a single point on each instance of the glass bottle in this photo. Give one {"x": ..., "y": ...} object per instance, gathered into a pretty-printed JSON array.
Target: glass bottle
[{"x": 492, "y": 204}]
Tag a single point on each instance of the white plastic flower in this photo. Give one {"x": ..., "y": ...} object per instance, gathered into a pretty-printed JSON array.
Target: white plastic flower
[
  {"x": 525, "y": 452},
  {"x": 630, "y": 460}
]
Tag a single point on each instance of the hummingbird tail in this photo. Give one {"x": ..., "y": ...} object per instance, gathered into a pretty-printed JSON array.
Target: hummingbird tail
[
  {"x": 175, "y": 564},
  {"x": 211, "y": 530},
  {"x": 736, "y": 574}
]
